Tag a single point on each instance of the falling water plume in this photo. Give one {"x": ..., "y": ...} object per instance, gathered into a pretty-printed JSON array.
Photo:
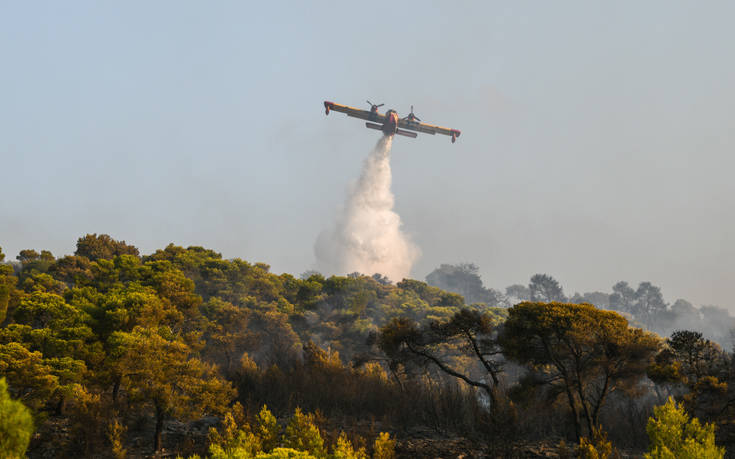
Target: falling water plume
[{"x": 367, "y": 235}]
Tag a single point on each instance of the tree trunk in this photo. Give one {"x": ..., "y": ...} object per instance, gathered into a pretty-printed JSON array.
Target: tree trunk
[
  {"x": 228, "y": 359},
  {"x": 583, "y": 401},
  {"x": 493, "y": 399},
  {"x": 601, "y": 400},
  {"x": 573, "y": 406},
  {"x": 159, "y": 430},
  {"x": 398, "y": 380},
  {"x": 115, "y": 390},
  {"x": 59, "y": 409}
]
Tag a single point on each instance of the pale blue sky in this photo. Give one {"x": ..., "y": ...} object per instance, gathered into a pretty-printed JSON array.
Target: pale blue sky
[{"x": 597, "y": 139}]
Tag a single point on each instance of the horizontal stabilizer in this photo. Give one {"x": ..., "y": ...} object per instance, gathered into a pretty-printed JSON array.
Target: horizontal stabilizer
[{"x": 406, "y": 133}]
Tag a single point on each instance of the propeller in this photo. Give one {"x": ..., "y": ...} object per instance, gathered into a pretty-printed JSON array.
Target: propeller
[
  {"x": 411, "y": 116},
  {"x": 374, "y": 106}
]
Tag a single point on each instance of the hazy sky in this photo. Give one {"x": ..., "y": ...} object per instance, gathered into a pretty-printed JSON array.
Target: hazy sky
[{"x": 597, "y": 138}]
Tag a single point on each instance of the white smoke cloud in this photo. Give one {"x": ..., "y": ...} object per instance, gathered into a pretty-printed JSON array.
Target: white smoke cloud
[{"x": 367, "y": 235}]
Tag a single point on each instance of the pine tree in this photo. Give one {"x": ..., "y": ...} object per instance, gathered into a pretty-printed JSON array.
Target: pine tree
[{"x": 16, "y": 425}]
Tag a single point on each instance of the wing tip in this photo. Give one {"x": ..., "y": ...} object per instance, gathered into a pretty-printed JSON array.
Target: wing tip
[{"x": 455, "y": 133}]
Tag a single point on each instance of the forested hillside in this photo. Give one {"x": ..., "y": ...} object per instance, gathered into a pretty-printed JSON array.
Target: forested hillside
[{"x": 110, "y": 353}]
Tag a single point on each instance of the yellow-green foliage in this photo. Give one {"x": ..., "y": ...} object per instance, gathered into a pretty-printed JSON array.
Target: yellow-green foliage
[
  {"x": 285, "y": 453},
  {"x": 268, "y": 429},
  {"x": 599, "y": 447},
  {"x": 673, "y": 435},
  {"x": 301, "y": 439},
  {"x": 303, "y": 435},
  {"x": 237, "y": 452},
  {"x": 384, "y": 447},
  {"x": 344, "y": 449},
  {"x": 16, "y": 425},
  {"x": 7, "y": 286},
  {"x": 116, "y": 433},
  {"x": 27, "y": 370},
  {"x": 234, "y": 441}
]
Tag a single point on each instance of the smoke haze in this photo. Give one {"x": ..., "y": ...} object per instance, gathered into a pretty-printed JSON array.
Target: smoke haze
[
  {"x": 618, "y": 165},
  {"x": 367, "y": 235}
]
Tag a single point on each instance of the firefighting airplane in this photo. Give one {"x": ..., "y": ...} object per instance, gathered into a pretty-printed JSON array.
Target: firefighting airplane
[{"x": 390, "y": 123}]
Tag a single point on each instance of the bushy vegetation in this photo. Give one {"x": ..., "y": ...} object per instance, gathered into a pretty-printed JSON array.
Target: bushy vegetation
[
  {"x": 116, "y": 354},
  {"x": 674, "y": 435},
  {"x": 16, "y": 425},
  {"x": 300, "y": 437}
]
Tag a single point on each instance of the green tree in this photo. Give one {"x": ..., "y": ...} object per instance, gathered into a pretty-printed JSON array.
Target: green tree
[
  {"x": 161, "y": 374},
  {"x": 226, "y": 333},
  {"x": 124, "y": 308},
  {"x": 673, "y": 435},
  {"x": 622, "y": 298},
  {"x": 7, "y": 286},
  {"x": 171, "y": 283},
  {"x": 649, "y": 306},
  {"x": 47, "y": 323},
  {"x": 699, "y": 357},
  {"x": 646, "y": 303},
  {"x": 384, "y": 447},
  {"x": 303, "y": 435},
  {"x": 96, "y": 247},
  {"x": 471, "y": 331},
  {"x": 702, "y": 366},
  {"x": 31, "y": 380},
  {"x": 430, "y": 294},
  {"x": 345, "y": 450},
  {"x": 464, "y": 278},
  {"x": 598, "y": 447},
  {"x": 48, "y": 310},
  {"x": 16, "y": 425},
  {"x": 545, "y": 288},
  {"x": 44, "y": 364},
  {"x": 31, "y": 260},
  {"x": 268, "y": 429},
  {"x": 36, "y": 281},
  {"x": 585, "y": 352},
  {"x": 234, "y": 441},
  {"x": 72, "y": 270},
  {"x": 286, "y": 453}
]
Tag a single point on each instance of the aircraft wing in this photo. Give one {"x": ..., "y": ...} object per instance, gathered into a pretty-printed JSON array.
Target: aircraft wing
[
  {"x": 428, "y": 128},
  {"x": 354, "y": 112}
]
